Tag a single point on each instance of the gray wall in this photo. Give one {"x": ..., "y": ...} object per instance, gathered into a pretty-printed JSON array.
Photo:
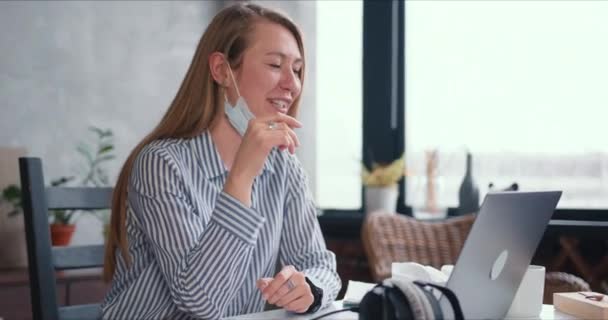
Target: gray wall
[{"x": 67, "y": 65}]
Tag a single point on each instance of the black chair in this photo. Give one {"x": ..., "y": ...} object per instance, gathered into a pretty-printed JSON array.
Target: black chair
[{"x": 44, "y": 259}]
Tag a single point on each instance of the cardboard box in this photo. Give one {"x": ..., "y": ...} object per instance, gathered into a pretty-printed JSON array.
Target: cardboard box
[{"x": 576, "y": 304}]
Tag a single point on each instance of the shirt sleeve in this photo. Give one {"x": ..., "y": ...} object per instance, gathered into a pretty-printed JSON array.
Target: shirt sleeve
[
  {"x": 302, "y": 242},
  {"x": 202, "y": 258}
]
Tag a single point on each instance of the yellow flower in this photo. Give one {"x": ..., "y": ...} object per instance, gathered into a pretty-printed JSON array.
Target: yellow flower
[{"x": 384, "y": 175}]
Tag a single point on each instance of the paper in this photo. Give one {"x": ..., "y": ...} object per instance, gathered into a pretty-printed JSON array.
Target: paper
[
  {"x": 355, "y": 292},
  {"x": 411, "y": 271}
]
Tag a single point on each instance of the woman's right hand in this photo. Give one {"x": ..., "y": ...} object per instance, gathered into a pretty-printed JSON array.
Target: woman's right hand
[{"x": 255, "y": 146}]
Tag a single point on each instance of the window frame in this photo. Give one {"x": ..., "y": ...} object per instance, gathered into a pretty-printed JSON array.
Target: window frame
[
  {"x": 384, "y": 96},
  {"x": 384, "y": 101}
]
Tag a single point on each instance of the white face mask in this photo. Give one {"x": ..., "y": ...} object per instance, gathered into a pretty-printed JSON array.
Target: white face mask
[{"x": 239, "y": 115}]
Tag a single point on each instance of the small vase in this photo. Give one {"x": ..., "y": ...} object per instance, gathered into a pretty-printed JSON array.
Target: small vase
[
  {"x": 381, "y": 199},
  {"x": 61, "y": 234},
  {"x": 468, "y": 194}
]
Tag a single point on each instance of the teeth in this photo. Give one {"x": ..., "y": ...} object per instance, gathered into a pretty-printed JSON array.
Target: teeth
[{"x": 279, "y": 104}]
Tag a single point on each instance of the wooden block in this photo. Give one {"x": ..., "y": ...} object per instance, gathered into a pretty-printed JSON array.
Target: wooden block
[{"x": 577, "y": 305}]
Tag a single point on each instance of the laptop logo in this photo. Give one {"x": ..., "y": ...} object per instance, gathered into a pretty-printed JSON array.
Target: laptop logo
[{"x": 499, "y": 265}]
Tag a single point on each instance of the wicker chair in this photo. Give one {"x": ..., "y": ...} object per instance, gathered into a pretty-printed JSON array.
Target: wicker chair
[
  {"x": 389, "y": 238},
  {"x": 562, "y": 282}
]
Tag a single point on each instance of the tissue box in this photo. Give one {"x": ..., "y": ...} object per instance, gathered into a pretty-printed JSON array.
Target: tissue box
[{"x": 577, "y": 305}]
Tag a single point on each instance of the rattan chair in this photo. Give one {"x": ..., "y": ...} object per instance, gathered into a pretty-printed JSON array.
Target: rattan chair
[
  {"x": 562, "y": 282},
  {"x": 389, "y": 238}
]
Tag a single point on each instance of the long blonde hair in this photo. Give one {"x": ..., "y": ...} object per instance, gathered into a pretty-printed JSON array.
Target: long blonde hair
[{"x": 195, "y": 105}]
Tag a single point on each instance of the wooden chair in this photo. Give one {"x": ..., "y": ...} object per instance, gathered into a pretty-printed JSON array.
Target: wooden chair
[
  {"x": 389, "y": 238},
  {"x": 44, "y": 260}
]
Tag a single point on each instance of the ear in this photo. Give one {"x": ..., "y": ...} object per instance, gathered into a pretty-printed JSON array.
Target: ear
[{"x": 217, "y": 66}]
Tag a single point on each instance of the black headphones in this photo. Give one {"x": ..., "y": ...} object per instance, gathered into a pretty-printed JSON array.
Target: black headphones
[
  {"x": 394, "y": 300},
  {"x": 399, "y": 302}
]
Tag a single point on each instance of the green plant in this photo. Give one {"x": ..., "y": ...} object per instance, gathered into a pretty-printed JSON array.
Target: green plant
[
  {"x": 384, "y": 175},
  {"x": 62, "y": 216},
  {"x": 12, "y": 195},
  {"x": 94, "y": 155}
]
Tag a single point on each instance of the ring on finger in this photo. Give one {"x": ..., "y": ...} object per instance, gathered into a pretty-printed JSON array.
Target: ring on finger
[
  {"x": 272, "y": 125},
  {"x": 290, "y": 284}
]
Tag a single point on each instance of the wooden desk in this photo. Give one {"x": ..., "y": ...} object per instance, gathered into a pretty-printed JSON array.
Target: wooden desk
[{"x": 73, "y": 287}]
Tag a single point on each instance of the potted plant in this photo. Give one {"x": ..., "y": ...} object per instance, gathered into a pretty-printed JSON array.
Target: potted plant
[
  {"x": 380, "y": 183},
  {"x": 94, "y": 156},
  {"x": 62, "y": 221},
  {"x": 93, "y": 172}
]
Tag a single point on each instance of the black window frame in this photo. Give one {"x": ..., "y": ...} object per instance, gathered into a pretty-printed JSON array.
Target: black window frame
[{"x": 384, "y": 102}]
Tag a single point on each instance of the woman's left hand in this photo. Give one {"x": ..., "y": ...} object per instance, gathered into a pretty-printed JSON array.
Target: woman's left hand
[{"x": 288, "y": 289}]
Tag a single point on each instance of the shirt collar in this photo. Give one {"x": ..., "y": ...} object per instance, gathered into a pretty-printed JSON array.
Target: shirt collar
[{"x": 212, "y": 163}]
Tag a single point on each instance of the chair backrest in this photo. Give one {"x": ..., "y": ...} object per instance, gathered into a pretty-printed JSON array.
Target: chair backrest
[
  {"x": 44, "y": 259},
  {"x": 389, "y": 238}
]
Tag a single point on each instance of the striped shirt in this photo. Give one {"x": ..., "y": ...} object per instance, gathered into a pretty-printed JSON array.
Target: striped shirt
[{"x": 196, "y": 251}]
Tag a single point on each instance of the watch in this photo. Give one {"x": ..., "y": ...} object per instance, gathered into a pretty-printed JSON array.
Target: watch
[{"x": 317, "y": 293}]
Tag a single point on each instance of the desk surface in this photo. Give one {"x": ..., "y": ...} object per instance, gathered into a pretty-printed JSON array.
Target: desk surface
[{"x": 548, "y": 313}]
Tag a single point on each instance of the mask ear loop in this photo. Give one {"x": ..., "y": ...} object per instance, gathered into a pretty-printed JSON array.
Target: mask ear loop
[{"x": 233, "y": 82}]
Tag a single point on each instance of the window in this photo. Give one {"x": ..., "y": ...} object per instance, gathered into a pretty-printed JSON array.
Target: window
[
  {"x": 338, "y": 84},
  {"x": 521, "y": 84}
]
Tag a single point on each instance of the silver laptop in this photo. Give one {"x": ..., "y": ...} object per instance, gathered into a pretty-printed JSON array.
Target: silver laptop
[{"x": 498, "y": 250}]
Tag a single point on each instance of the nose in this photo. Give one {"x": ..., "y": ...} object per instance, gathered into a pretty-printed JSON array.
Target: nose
[{"x": 290, "y": 82}]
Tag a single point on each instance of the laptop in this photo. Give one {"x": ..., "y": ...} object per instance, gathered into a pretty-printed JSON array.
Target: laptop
[{"x": 498, "y": 250}]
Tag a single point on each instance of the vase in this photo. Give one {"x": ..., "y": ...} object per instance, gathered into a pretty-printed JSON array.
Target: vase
[
  {"x": 381, "y": 199},
  {"x": 468, "y": 194},
  {"x": 61, "y": 234}
]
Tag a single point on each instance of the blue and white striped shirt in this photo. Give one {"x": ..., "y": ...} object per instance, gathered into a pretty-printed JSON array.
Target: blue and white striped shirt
[{"x": 196, "y": 251}]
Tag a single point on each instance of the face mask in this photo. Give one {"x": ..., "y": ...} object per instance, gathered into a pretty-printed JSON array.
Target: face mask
[{"x": 239, "y": 115}]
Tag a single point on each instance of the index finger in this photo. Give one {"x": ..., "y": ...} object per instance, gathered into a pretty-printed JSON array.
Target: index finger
[
  {"x": 278, "y": 281},
  {"x": 280, "y": 117},
  {"x": 263, "y": 282}
]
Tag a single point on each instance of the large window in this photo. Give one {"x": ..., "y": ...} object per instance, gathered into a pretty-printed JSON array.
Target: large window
[
  {"x": 339, "y": 103},
  {"x": 521, "y": 84}
]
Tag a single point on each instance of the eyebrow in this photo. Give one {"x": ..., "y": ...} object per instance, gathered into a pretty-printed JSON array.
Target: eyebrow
[{"x": 282, "y": 55}]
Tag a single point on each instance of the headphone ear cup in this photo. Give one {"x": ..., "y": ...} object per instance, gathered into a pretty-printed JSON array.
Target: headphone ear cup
[
  {"x": 400, "y": 308},
  {"x": 370, "y": 307}
]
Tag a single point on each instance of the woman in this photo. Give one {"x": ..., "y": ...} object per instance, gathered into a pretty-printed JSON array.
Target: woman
[{"x": 210, "y": 201}]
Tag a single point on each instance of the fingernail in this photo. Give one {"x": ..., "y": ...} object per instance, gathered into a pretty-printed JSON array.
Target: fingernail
[{"x": 265, "y": 297}]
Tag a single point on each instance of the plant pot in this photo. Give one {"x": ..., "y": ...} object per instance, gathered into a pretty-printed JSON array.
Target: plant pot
[
  {"x": 61, "y": 234},
  {"x": 381, "y": 199}
]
